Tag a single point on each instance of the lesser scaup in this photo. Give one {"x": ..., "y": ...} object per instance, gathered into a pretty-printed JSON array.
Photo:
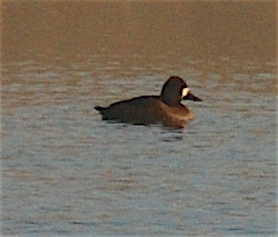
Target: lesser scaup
[{"x": 165, "y": 109}]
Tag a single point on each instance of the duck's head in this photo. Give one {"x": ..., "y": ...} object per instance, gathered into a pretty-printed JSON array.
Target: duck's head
[{"x": 174, "y": 90}]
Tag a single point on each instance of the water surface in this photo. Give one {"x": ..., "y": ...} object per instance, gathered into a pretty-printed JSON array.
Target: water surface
[{"x": 67, "y": 172}]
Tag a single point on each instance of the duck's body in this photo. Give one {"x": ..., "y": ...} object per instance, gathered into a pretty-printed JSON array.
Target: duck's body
[
  {"x": 146, "y": 110},
  {"x": 165, "y": 109}
]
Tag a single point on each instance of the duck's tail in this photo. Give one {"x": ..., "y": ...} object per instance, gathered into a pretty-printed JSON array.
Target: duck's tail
[{"x": 99, "y": 109}]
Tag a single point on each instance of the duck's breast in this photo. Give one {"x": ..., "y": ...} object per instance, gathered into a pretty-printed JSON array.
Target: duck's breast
[{"x": 176, "y": 115}]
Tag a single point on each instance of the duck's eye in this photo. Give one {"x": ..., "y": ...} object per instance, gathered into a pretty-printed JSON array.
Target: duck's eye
[{"x": 184, "y": 92}]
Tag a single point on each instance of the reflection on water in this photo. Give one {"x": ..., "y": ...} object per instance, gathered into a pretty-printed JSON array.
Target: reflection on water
[
  {"x": 199, "y": 30},
  {"x": 65, "y": 171}
]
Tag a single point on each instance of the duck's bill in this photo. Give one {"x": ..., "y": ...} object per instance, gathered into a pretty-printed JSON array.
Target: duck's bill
[{"x": 190, "y": 96}]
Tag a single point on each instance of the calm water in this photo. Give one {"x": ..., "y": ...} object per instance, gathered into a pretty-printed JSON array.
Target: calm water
[{"x": 67, "y": 172}]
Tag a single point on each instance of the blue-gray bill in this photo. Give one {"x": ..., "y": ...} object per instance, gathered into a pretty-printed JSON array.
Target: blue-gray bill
[{"x": 192, "y": 97}]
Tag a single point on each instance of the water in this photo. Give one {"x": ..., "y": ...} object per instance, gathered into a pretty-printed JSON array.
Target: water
[{"x": 67, "y": 172}]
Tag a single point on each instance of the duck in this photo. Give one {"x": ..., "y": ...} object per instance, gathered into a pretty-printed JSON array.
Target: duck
[{"x": 165, "y": 109}]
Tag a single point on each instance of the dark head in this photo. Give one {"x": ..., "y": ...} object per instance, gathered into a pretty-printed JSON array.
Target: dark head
[{"x": 174, "y": 90}]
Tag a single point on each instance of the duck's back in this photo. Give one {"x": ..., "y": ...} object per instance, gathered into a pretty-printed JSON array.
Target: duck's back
[{"x": 140, "y": 110}]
